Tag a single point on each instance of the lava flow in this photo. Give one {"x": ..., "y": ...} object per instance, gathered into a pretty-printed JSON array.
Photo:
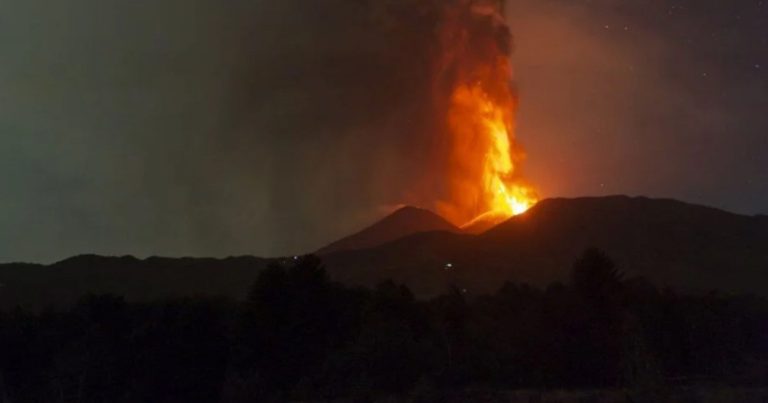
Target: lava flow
[{"x": 484, "y": 176}]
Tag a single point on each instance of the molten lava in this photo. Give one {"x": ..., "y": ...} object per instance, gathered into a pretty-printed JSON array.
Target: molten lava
[
  {"x": 483, "y": 149},
  {"x": 483, "y": 167}
]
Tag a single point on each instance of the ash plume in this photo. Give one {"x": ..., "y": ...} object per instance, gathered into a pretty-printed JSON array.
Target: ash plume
[{"x": 210, "y": 128}]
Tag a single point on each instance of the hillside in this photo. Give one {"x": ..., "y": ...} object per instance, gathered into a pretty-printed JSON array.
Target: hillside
[
  {"x": 405, "y": 221},
  {"x": 62, "y": 283},
  {"x": 669, "y": 242}
]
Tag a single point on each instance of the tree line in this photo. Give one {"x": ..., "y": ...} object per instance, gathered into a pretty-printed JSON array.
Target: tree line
[{"x": 301, "y": 336}]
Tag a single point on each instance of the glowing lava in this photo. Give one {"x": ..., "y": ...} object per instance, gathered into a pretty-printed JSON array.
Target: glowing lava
[
  {"x": 473, "y": 80},
  {"x": 483, "y": 131}
]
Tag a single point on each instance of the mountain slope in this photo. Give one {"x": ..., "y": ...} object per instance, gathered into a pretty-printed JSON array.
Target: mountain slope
[
  {"x": 57, "y": 285},
  {"x": 401, "y": 223},
  {"x": 670, "y": 242}
]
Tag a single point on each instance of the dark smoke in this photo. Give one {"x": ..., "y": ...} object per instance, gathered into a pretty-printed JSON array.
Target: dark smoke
[
  {"x": 240, "y": 127},
  {"x": 343, "y": 101},
  {"x": 204, "y": 127}
]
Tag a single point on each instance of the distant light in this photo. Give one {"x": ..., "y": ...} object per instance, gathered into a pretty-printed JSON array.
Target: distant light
[
  {"x": 295, "y": 258},
  {"x": 448, "y": 266}
]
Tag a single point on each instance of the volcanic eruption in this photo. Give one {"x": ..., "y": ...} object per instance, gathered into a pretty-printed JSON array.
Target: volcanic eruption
[{"x": 474, "y": 96}]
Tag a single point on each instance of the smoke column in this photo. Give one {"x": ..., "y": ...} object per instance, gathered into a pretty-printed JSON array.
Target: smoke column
[{"x": 475, "y": 101}]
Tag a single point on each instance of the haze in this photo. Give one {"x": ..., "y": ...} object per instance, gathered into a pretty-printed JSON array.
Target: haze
[{"x": 248, "y": 127}]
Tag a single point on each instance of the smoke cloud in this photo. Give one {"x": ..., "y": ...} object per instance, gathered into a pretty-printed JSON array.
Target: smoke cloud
[{"x": 255, "y": 127}]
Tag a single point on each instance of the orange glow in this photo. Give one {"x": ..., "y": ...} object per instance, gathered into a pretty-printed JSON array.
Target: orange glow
[
  {"x": 474, "y": 73},
  {"x": 483, "y": 147}
]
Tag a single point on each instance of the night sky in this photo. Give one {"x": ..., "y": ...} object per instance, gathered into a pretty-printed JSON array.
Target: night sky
[{"x": 215, "y": 128}]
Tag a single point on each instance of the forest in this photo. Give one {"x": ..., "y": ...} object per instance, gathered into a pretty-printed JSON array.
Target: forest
[{"x": 298, "y": 336}]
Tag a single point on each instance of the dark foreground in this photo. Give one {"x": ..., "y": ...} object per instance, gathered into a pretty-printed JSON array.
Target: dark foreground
[
  {"x": 698, "y": 394},
  {"x": 598, "y": 338}
]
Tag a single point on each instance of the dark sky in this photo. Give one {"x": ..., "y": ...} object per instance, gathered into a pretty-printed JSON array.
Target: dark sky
[{"x": 213, "y": 128}]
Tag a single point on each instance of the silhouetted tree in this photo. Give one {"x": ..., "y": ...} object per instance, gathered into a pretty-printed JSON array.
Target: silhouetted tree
[
  {"x": 393, "y": 348},
  {"x": 300, "y": 336},
  {"x": 293, "y": 317},
  {"x": 597, "y": 334},
  {"x": 595, "y": 275}
]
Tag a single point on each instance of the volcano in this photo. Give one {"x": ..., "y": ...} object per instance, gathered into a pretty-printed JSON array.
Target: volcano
[
  {"x": 405, "y": 221},
  {"x": 669, "y": 242}
]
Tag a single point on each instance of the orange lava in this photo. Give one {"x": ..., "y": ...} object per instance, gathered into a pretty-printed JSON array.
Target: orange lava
[{"x": 484, "y": 178}]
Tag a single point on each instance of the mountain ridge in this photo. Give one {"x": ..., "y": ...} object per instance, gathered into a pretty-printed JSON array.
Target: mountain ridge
[
  {"x": 404, "y": 221},
  {"x": 669, "y": 242}
]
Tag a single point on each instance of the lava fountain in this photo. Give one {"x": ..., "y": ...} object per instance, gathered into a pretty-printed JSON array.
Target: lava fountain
[{"x": 474, "y": 90}]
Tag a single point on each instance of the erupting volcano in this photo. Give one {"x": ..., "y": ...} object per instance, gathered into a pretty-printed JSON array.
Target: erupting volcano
[{"x": 475, "y": 97}]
